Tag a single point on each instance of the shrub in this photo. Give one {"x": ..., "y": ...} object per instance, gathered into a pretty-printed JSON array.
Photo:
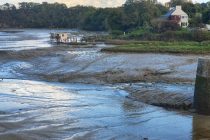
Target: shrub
[
  {"x": 160, "y": 25},
  {"x": 116, "y": 32},
  {"x": 205, "y": 43},
  {"x": 200, "y": 35}
]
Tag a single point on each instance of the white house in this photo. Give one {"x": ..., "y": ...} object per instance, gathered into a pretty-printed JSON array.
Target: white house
[
  {"x": 6, "y": 6},
  {"x": 178, "y": 15},
  {"x": 2, "y": 7},
  {"x": 208, "y": 27}
]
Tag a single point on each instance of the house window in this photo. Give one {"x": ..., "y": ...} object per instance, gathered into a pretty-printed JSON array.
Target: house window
[{"x": 184, "y": 24}]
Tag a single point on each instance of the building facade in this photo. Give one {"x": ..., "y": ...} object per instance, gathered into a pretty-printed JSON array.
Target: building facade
[{"x": 178, "y": 15}]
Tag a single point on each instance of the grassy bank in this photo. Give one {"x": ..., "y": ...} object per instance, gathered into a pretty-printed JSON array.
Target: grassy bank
[
  {"x": 163, "y": 47},
  {"x": 168, "y": 35}
]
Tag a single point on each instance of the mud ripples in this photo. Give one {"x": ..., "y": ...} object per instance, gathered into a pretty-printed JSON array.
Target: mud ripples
[{"x": 40, "y": 110}]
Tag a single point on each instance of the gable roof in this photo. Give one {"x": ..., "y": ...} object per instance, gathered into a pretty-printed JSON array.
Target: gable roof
[
  {"x": 179, "y": 11},
  {"x": 174, "y": 11},
  {"x": 167, "y": 15}
]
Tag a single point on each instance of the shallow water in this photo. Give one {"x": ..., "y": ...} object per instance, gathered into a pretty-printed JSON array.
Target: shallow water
[
  {"x": 40, "y": 110},
  {"x": 77, "y": 111},
  {"x": 25, "y": 39}
]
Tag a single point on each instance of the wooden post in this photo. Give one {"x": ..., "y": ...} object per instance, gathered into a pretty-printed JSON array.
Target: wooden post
[{"x": 202, "y": 87}]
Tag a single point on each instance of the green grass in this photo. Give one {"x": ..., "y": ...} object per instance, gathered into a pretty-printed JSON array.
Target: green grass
[{"x": 163, "y": 47}]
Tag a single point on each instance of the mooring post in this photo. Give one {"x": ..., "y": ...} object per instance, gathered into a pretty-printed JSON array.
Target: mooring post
[{"x": 202, "y": 87}]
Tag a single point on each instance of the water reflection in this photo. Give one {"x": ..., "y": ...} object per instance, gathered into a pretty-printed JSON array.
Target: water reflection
[
  {"x": 156, "y": 123},
  {"x": 201, "y": 127},
  {"x": 24, "y": 39},
  {"x": 79, "y": 111}
]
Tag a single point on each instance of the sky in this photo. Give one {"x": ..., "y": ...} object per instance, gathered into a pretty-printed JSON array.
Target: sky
[{"x": 96, "y": 3}]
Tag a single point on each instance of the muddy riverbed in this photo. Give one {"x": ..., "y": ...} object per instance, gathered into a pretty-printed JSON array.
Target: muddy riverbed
[
  {"x": 74, "y": 92},
  {"x": 41, "y": 110}
]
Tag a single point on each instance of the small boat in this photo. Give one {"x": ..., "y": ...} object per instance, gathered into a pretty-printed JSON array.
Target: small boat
[{"x": 67, "y": 38}]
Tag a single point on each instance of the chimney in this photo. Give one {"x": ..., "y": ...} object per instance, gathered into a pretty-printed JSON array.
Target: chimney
[{"x": 179, "y": 7}]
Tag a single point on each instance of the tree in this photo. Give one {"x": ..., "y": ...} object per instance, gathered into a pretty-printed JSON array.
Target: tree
[
  {"x": 206, "y": 16},
  {"x": 160, "y": 25},
  {"x": 134, "y": 14},
  {"x": 189, "y": 8}
]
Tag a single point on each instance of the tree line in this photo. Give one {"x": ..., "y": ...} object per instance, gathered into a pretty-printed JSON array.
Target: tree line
[{"x": 131, "y": 15}]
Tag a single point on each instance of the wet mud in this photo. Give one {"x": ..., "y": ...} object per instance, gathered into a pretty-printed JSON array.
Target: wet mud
[
  {"x": 79, "y": 92},
  {"x": 42, "y": 110},
  {"x": 89, "y": 65},
  {"x": 176, "y": 96}
]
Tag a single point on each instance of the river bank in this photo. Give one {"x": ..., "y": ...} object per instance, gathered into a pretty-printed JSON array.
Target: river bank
[{"x": 181, "y": 47}]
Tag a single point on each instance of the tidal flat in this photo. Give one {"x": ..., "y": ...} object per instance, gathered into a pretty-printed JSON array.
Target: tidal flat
[{"x": 69, "y": 92}]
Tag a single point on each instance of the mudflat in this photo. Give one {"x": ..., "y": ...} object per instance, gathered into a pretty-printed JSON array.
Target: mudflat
[{"x": 78, "y": 92}]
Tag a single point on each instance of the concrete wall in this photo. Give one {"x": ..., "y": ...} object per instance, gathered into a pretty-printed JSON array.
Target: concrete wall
[{"x": 202, "y": 87}]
